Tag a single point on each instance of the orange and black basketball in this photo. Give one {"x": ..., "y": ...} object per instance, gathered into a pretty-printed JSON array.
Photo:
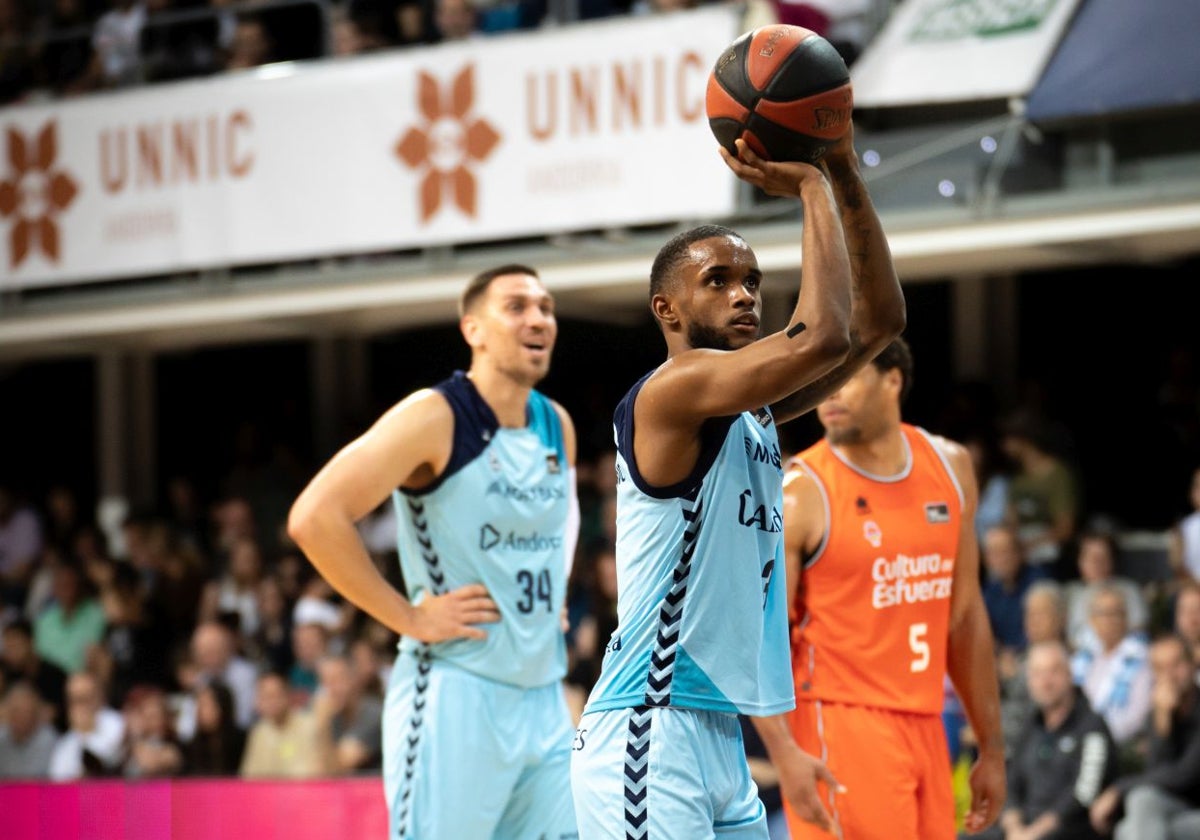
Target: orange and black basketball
[{"x": 784, "y": 90}]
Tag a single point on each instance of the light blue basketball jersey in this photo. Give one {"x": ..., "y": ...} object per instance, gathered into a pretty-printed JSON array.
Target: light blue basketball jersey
[
  {"x": 497, "y": 515},
  {"x": 701, "y": 606}
]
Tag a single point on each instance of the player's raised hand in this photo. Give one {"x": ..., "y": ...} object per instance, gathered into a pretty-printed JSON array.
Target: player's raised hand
[
  {"x": 454, "y": 615},
  {"x": 798, "y": 778},
  {"x": 988, "y": 791},
  {"x": 772, "y": 177}
]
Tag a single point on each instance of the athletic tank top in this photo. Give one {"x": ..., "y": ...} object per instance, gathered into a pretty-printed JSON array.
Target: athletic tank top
[
  {"x": 701, "y": 606},
  {"x": 496, "y": 515},
  {"x": 874, "y": 610}
]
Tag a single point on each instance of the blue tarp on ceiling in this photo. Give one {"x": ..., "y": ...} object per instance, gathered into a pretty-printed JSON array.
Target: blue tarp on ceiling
[{"x": 1120, "y": 56}]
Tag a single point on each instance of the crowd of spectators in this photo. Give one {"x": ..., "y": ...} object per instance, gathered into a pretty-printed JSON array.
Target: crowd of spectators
[{"x": 56, "y": 48}]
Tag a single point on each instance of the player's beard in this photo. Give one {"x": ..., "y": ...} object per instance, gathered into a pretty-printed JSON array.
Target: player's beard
[
  {"x": 702, "y": 336},
  {"x": 846, "y": 436}
]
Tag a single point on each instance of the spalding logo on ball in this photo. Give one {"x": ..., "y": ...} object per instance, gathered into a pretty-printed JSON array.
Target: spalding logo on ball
[{"x": 784, "y": 90}]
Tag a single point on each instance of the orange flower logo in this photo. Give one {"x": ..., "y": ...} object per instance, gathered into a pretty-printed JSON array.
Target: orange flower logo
[
  {"x": 447, "y": 144},
  {"x": 34, "y": 194}
]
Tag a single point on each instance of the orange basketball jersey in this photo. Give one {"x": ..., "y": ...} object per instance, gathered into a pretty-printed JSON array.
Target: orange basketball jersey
[{"x": 873, "y": 610}]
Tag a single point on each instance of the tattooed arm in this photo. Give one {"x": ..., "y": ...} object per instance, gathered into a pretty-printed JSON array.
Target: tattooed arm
[{"x": 877, "y": 309}]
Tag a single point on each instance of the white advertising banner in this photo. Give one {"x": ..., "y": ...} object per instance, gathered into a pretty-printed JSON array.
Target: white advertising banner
[
  {"x": 583, "y": 127},
  {"x": 940, "y": 51}
]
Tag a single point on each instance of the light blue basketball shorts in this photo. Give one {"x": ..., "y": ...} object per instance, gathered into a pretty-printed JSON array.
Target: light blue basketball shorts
[
  {"x": 468, "y": 758},
  {"x": 663, "y": 774}
]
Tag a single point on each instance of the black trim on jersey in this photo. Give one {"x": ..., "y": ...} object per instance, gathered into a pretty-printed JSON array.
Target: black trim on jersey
[
  {"x": 712, "y": 437},
  {"x": 474, "y": 426}
]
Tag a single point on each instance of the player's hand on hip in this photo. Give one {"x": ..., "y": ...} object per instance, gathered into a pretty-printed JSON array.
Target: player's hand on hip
[
  {"x": 988, "y": 791},
  {"x": 798, "y": 778},
  {"x": 772, "y": 177},
  {"x": 455, "y": 615}
]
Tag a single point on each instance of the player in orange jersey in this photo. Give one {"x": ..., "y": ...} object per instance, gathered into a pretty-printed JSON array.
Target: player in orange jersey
[{"x": 883, "y": 564}]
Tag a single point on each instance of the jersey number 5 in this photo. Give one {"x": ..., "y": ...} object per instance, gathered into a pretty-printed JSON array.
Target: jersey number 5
[{"x": 920, "y": 647}]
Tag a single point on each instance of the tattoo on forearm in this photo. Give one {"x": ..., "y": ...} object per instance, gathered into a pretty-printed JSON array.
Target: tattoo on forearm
[{"x": 796, "y": 329}]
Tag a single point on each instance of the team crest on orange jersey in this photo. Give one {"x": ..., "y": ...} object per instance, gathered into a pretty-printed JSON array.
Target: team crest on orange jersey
[{"x": 872, "y": 534}]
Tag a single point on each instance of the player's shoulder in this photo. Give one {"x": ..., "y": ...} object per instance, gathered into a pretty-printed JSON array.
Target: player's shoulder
[
  {"x": 799, "y": 476},
  {"x": 953, "y": 453},
  {"x": 423, "y": 412},
  {"x": 568, "y": 427}
]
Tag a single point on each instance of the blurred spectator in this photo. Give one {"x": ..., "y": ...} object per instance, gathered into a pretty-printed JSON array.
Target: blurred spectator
[
  {"x": 65, "y": 630},
  {"x": 236, "y": 592},
  {"x": 1097, "y": 559},
  {"x": 39, "y": 596},
  {"x": 993, "y": 481},
  {"x": 94, "y": 741},
  {"x": 16, "y": 69},
  {"x": 20, "y": 528},
  {"x": 1111, "y": 667},
  {"x": 1185, "y": 537},
  {"x": 844, "y": 23},
  {"x": 370, "y": 671},
  {"x": 214, "y": 653},
  {"x": 153, "y": 749},
  {"x": 21, "y": 662},
  {"x": 116, "y": 42},
  {"x": 1187, "y": 618},
  {"x": 1008, "y": 579},
  {"x": 1045, "y": 618},
  {"x": 356, "y": 719},
  {"x": 1163, "y": 801},
  {"x": 285, "y": 743},
  {"x": 1064, "y": 757},
  {"x": 1043, "y": 499},
  {"x": 310, "y": 640},
  {"x": 62, "y": 518},
  {"x": 26, "y": 739},
  {"x": 217, "y": 745},
  {"x": 454, "y": 20},
  {"x": 600, "y": 619},
  {"x": 271, "y": 644},
  {"x": 66, "y": 54},
  {"x": 179, "y": 49},
  {"x": 134, "y": 642}
]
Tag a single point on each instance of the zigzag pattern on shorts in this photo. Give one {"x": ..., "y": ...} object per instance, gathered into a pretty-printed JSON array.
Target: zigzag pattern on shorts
[
  {"x": 433, "y": 563},
  {"x": 637, "y": 760},
  {"x": 413, "y": 740},
  {"x": 670, "y": 614}
]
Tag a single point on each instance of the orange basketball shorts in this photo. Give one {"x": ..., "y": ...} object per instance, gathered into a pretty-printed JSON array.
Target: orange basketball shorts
[{"x": 895, "y": 767}]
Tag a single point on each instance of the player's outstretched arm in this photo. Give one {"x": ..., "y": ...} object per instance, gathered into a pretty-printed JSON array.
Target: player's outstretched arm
[
  {"x": 798, "y": 771},
  {"x": 970, "y": 657},
  {"x": 877, "y": 311},
  {"x": 408, "y": 443},
  {"x": 698, "y": 384}
]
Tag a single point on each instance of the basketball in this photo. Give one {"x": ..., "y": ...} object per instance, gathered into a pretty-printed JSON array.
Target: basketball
[{"x": 783, "y": 89}]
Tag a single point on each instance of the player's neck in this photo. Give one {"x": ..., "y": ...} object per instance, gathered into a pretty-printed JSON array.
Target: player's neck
[
  {"x": 506, "y": 397},
  {"x": 884, "y": 455}
]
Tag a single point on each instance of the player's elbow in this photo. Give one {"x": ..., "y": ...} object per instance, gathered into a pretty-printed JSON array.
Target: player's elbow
[
  {"x": 301, "y": 521},
  {"x": 884, "y": 325},
  {"x": 828, "y": 344}
]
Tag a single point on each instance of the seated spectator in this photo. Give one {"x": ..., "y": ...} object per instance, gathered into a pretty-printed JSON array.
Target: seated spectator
[
  {"x": 1097, "y": 561},
  {"x": 1187, "y": 618},
  {"x": 178, "y": 49},
  {"x": 355, "y": 719},
  {"x": 63, "y": 633},
  {"x": 116, "y": 44},
  {"x": 271, "y": 645},
  {"x": 214, "y": 654},
  {"x": 1045, "y": 622},
  {"x": 218, "y": 743},
  {"x": 1043, "y": 499},
  {"x": 252, "y": 45},
  {"x": 135, "y": 642},
  {"x": 1163, "y": 801},
  {"x": 454, "y": 20},
  {"x": 1184, "y": 546},
  {"x": 1064, "y": 757},
  {"x": 1008, "y": 579},
  {"x": 310, "y": 642},
  {"x": 26, "y": 739},
  {"x": 285, "y": 743},
  {"x": 236, "y": 591},
  {"x": 153, "y": 749},
  {"x": 1112, "y": 667},
  {"x": 93, "y": 744},
  {"x": 20, "y": 528},
  {"x": 19, "y": 661},
  {"x": 370, "y": 670},
  {"x": 993, "y": 478}
]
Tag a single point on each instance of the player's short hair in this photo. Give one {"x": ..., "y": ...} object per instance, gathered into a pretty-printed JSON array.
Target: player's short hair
[
  {"x": 670, "y": 255},
  {"x": 898, "y": 356},
  {"x": 480, "y": 282}
]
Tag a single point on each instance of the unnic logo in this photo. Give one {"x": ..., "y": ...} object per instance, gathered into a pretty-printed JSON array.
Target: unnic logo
[{"x": 35, "y": 191}]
